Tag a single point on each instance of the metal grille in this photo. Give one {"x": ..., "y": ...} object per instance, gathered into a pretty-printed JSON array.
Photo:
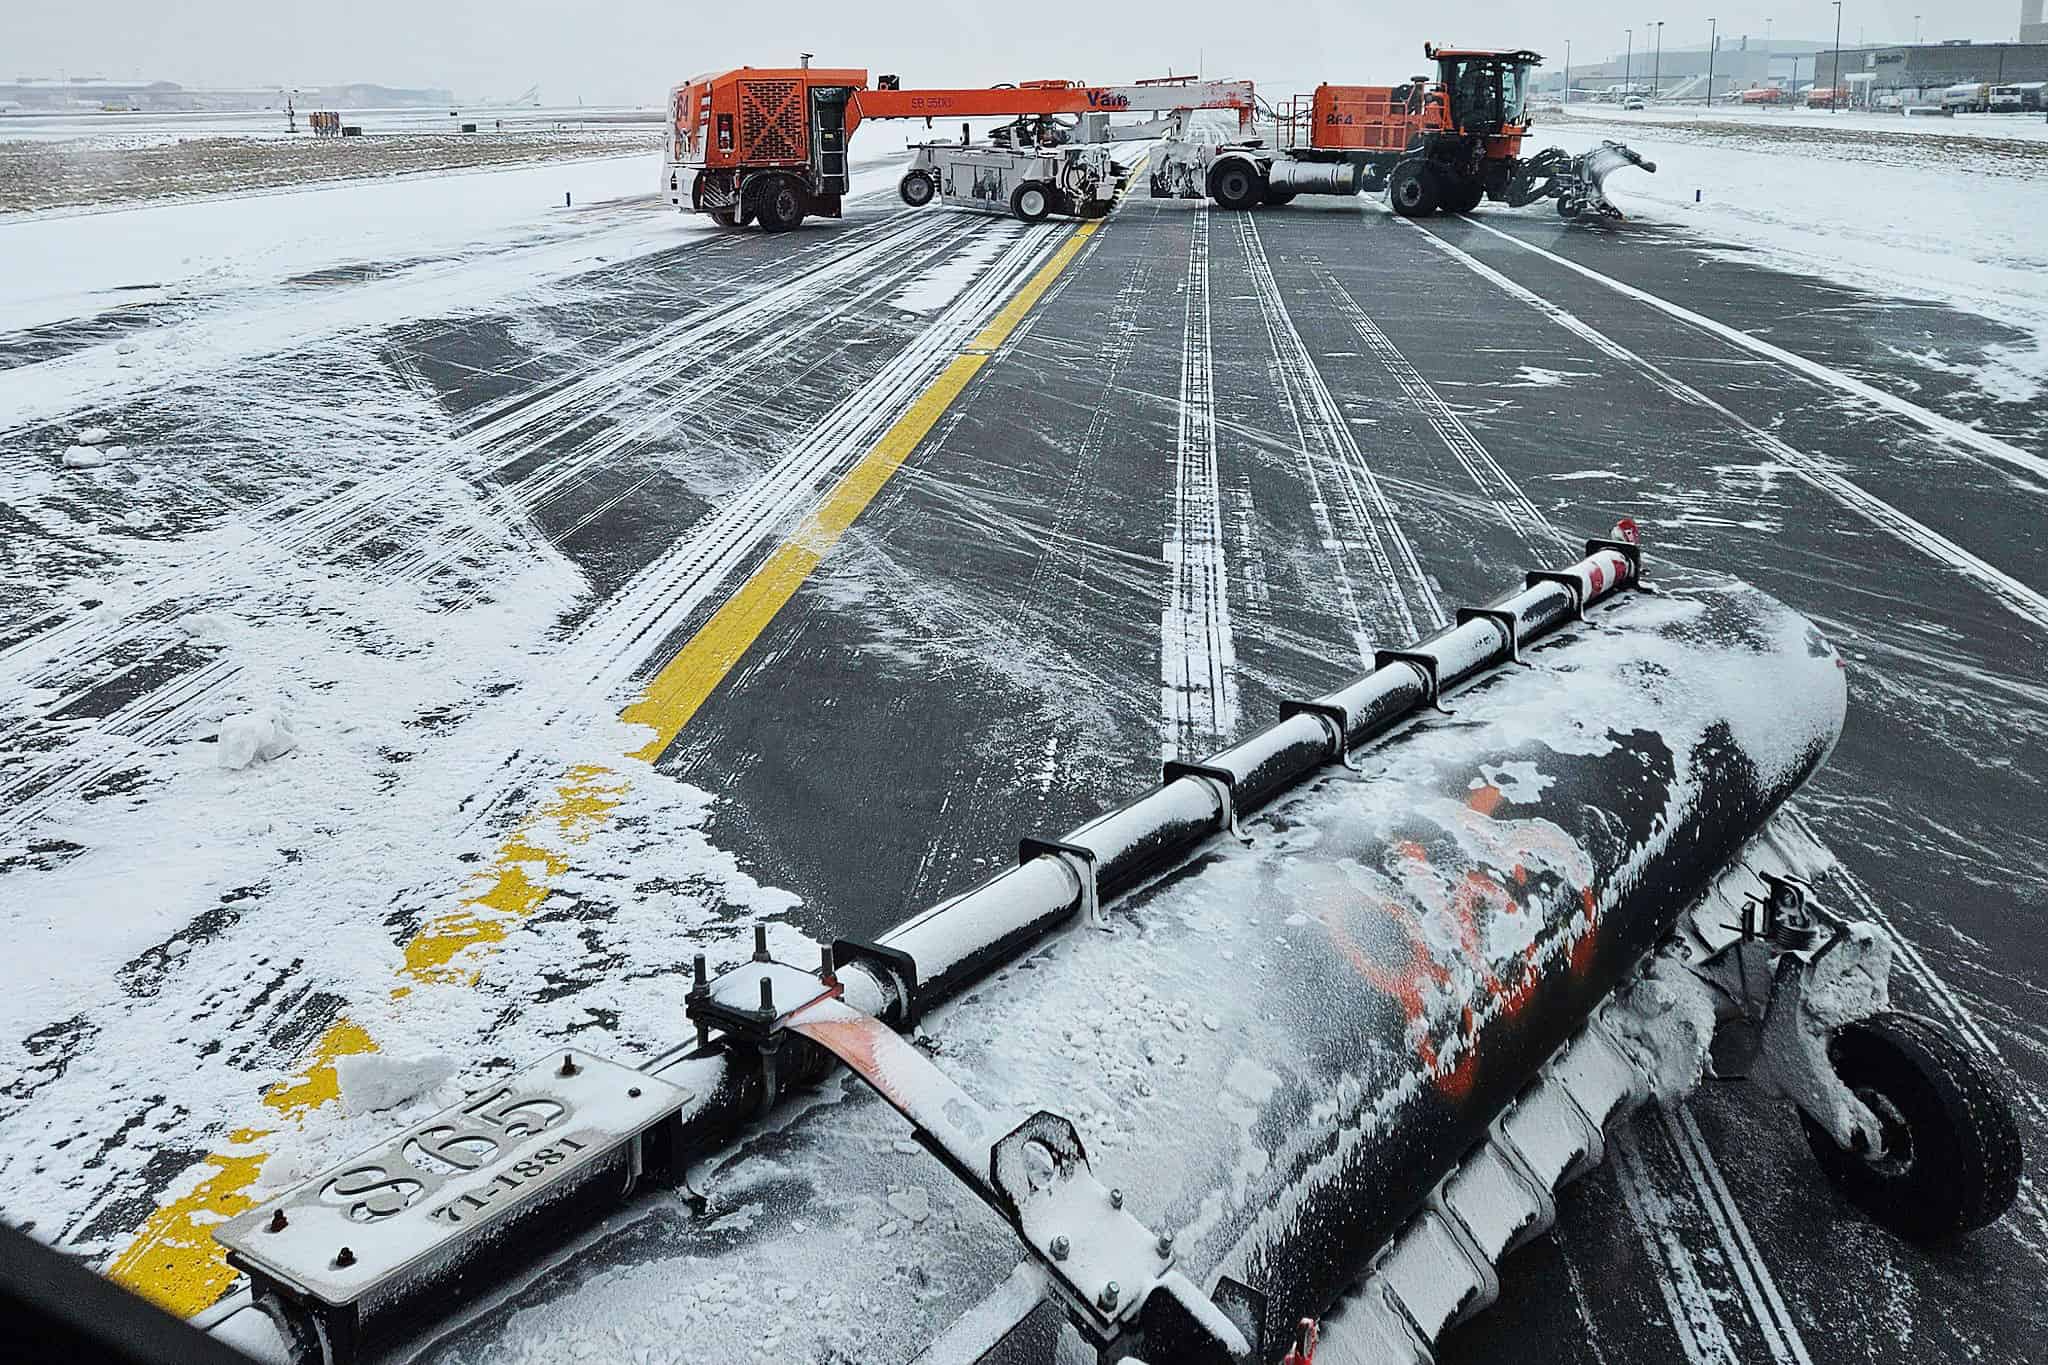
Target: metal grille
[{"x": 771, "y": 121}]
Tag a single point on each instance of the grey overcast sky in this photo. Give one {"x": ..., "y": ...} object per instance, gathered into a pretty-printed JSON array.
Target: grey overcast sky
[{"x": 631, "y": 51}]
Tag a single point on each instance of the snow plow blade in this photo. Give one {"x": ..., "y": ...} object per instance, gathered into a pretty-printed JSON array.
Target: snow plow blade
[
  {"x": 1581, "y": 189},
  {"x": 1332, "y": 1003}
]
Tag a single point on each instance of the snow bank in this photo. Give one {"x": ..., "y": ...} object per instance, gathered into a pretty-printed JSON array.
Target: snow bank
[
  {"x": 373, "y": 1080},
  {"x": 257, "y": 736},
  {"x": 84, "y": 457}
]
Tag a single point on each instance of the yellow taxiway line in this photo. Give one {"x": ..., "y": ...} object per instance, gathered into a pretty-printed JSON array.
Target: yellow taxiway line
[{"x": 174, "y": 1259}]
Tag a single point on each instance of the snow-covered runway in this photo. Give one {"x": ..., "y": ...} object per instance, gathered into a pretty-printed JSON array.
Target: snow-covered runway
[{"x": 444, "y": 507}]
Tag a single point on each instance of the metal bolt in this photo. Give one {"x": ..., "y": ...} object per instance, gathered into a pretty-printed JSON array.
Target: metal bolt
[
  {"x": 1116, "y": 1199},
  {"x": 760, "y": 943},
  {"x": 767, "y": 995},
  {"x": 344, "y": 1258},
  {"x": 1110, "y": 1294},
  {"x": 278, "y": 1222},
  {"x": 568, "y": 1066},
  {"x": 633, "y": 1092},
  {"x": 1060, "y": 1247},
  {"x": 1165, "y": 1244}
]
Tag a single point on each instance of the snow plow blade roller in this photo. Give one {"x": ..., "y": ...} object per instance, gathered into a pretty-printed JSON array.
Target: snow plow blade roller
[{"x": 1380, "y": 976}]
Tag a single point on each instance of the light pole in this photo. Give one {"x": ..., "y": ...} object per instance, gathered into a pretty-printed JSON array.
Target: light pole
[
  {"x": 1916, "y": 30},
  {"x": 1627, "y": 61},
  {"x": 1835, "y": 90},
  {"x": 1713, "y": 42},
  {"x": 1567, "y": 75},
  {"x": 1657, "y": 65}
]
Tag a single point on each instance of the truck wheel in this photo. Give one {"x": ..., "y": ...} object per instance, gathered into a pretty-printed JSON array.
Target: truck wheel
[
  {"x": 1413, "y": 189},
  {"x": 1030, "y": 201},
  {"x": 1951, "y": 1154},
  {"x": 1464, "y": 198},
  {"x": 917, "y": 189},
  {"x": 1236, "y": 184},
  {"x": 779, "y": 204},
  {"x": 724, "y": 217}
]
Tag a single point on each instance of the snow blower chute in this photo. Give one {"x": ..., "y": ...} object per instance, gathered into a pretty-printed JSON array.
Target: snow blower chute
[{"x": 1322, "y": 1021}]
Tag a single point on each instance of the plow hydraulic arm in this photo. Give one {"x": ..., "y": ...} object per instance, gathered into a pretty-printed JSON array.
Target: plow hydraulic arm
[{"x": 1575, "y": 181}]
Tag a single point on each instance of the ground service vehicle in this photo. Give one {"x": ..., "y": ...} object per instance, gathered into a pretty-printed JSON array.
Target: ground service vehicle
[
  {"x": 1079, "y": 180},
  {"x": 1765, "y": 94},
  {"x": 1448, "y": 976},
  {"x": 769, "y": 144},
  {"x": 1433, "y": 145},
  {"x": 1967, "y": 97}
]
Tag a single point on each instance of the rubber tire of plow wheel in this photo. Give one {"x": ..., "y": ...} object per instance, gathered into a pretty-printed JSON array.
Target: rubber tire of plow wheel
[
  {"x": 916, "y": 189},
  {"x": 1031, "y": 201},
  {"x": 1236, "y": 185},
  {"x": 1413, "y": 189},
  {"x": 1463, "y": 198},
  {"x": 1951, "y": 1159},
  {"x": 1567, "y": 207},
  {"x": 1274, "y": 197},
  {"x": 780, "y": 205}
]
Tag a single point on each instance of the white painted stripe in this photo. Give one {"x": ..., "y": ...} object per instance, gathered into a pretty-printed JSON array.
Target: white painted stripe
[
  {"x": 2009, "y": 592},
  {"x": 1701, "y": 1334},
  {"x": 1968, "y": 437},
  {"x": 1323, "y": 418},
  {"x": 1197, "y": 656},
  {"x": 1759, "y": 1288}
]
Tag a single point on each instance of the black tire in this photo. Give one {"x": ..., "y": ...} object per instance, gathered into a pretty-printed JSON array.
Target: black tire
[
  {"x": 1236, "y": 184},
  {"x": 1276, "y": 197},
  {"x": 1951, "y": 1159},
  {"x": 724, "y": 217},
  {"x": 916, "y": 189},
  {"x": 1463, "y": 198},
  {"x": 779, "y": 204},
  {"x": 1567, "y": 207},
  {"x": 1414, "y": 189},
  {"x": 1031, "y": 201}
]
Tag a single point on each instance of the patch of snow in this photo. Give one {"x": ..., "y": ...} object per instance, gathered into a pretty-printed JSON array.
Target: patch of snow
[
  {"x": 92, "y": 436},
  {"x": 255, "y": 736},
  {"x": 84, "y": 457},
  {"x": 371, "y": 1081}
]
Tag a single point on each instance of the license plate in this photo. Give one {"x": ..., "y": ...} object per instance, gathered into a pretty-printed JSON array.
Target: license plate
[{"x": 449, "y": 1179}]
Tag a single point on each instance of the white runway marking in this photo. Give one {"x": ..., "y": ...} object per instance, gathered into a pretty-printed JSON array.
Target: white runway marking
[{"x": 1197, "y": 658}]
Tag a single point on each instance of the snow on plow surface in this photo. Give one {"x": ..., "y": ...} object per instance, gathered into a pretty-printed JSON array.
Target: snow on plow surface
[{"x": 1272, "y": 1057}]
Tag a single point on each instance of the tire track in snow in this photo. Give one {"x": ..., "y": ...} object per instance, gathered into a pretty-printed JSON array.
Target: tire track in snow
[
  {"x": 1197, "y": 656},
  {"x": 2007, "y": 591},
  {"x": 723, "y": 353},
  {"x": 1510, "y": 503},
  {"x": 1413, "y": 610}
]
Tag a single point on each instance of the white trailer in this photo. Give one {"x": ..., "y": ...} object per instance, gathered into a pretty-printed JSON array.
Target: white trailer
[{"x": 1078, "y": 180}]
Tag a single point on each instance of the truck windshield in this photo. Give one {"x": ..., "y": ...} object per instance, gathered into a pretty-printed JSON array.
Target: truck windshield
[{"x": 1486, "y": 94}]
